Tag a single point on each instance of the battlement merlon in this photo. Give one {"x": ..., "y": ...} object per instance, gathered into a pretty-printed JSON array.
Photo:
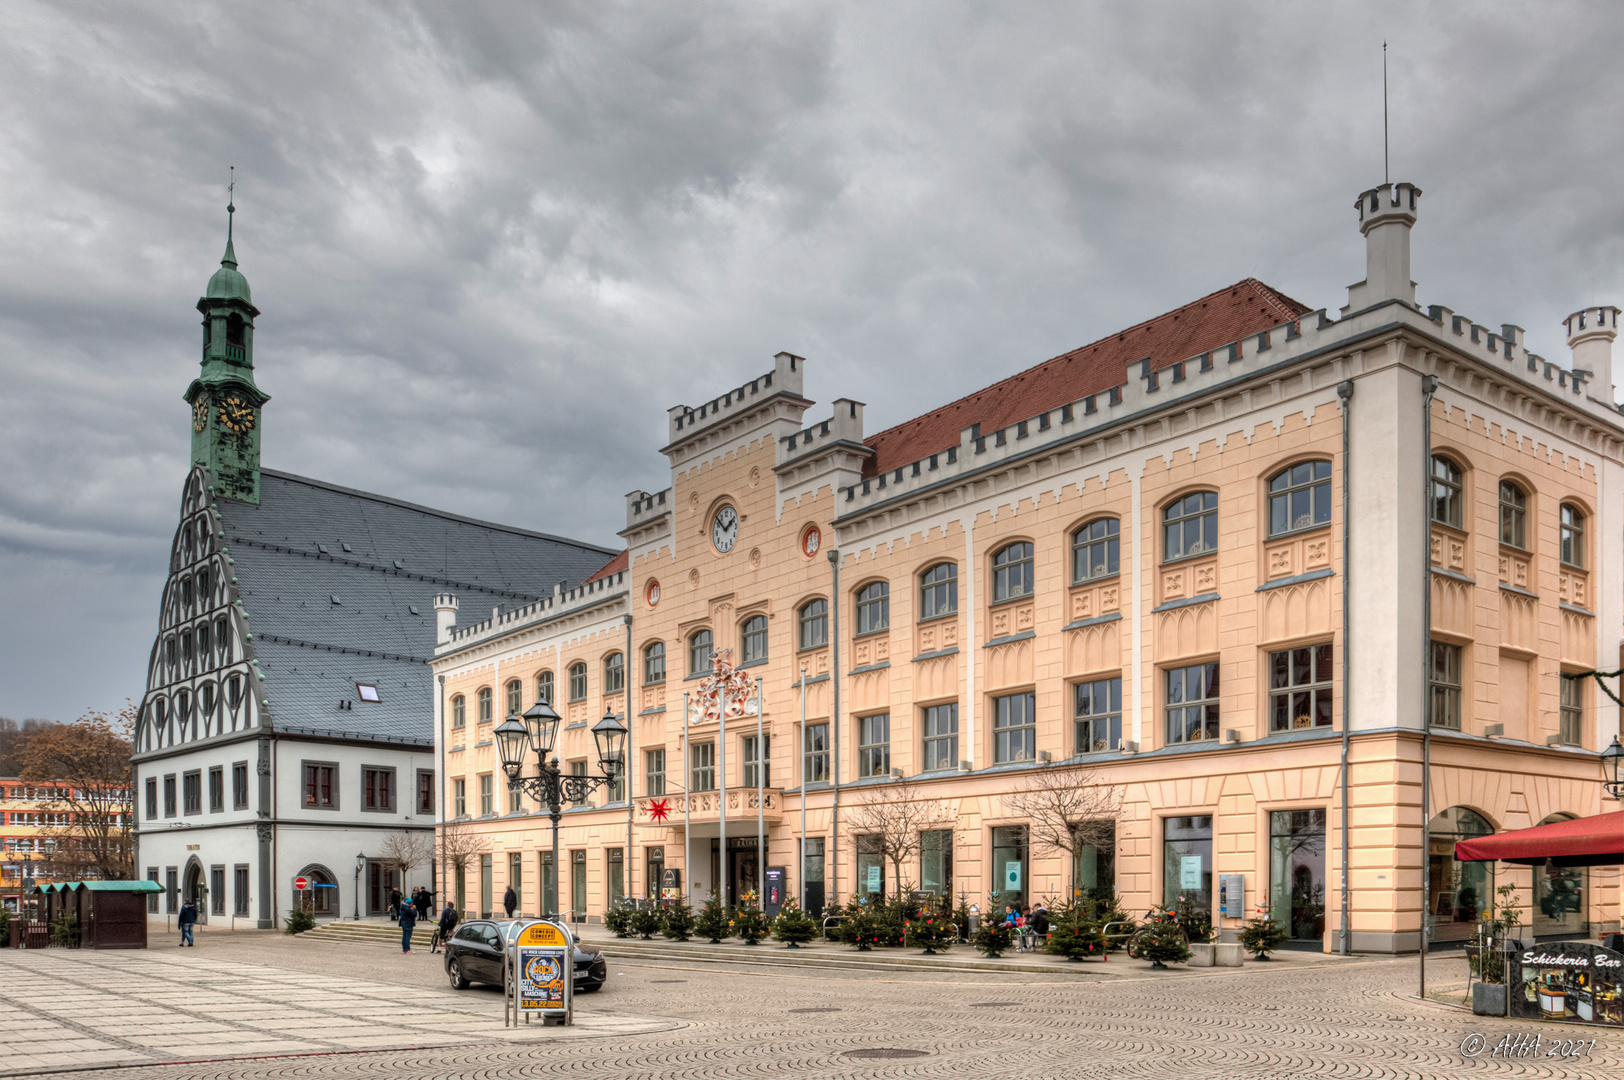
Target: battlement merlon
[
  {"x": 1387, "y": 213},
  {"x": 643, "y": 507},
  {"x": 845, "y": 426},
  {"x": 686, "y": 422},
  {"x": 1591, "y": 332}
]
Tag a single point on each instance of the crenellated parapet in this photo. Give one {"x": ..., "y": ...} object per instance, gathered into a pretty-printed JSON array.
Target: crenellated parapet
[{"x": 561, "y": 604}]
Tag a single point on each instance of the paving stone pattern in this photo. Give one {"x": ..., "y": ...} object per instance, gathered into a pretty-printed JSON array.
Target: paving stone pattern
[{"x": 1351, "y": 1018}]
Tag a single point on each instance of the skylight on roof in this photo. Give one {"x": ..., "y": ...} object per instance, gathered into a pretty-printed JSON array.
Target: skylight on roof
[
  {"x": 413, "y": 609},
  {"x": 334, "y": 599},
  {"x": 367, "y": 691},
  {"x": 322, "y": 548}
]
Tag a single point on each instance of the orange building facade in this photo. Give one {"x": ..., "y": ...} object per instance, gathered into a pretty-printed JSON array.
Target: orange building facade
[{"x": 1188, "y": 565}]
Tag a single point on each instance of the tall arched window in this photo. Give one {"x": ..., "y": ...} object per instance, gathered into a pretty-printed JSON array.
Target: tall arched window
[
  {"x": 813, "y": 619},
  {"x": 1459, "y": 890},
  {"x": 578, "y": 681},
  {"x": 701, "y": 647},
  {"x": 1012, "y": 572},
  {"x": 544, "y": 687},
  {"x": 1190, "y": 526},
  {"x": 1446, "y": 492},
  {"x": 1300, "y": 497},
  {"x": 1573, "y": 535},
  {"x": 484, "y": 704},
  {"x": 515, "y": 703},
  {"x": 939, "y": 591},
  {"x": 1513, "y": 515},
  {"x": 873, "y": 608},
  {"x": 654, "y": 664},
  {"x": 459, "y": 711},
  {"x": 614, "y": 673},
  {"x": 753, "y": 638},
  {"x": 1096, "y": 551}
]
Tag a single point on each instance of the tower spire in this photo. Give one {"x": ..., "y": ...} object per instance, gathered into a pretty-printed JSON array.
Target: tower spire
[{"x": 230, "y": 257}]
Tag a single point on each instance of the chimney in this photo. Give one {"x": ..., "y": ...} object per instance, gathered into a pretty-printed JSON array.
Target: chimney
[
  {"x": 1590, "y": 336},
  {"x": 1386, "y": 215},
  {"x": 445, "y": 617}
]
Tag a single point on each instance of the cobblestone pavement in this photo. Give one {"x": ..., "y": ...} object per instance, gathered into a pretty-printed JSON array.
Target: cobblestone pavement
[{"x": 1352, "y": 1018}]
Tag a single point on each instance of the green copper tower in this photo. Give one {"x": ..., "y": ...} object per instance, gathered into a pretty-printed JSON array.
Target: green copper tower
[{"x": 225, "y": 402}]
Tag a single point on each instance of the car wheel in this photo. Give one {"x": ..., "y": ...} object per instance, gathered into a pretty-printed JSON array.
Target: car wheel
[{"x": 453, "y": 972}]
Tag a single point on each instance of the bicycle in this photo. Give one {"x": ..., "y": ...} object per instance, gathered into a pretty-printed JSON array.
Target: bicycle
[{"x": 1157, "y": 919}]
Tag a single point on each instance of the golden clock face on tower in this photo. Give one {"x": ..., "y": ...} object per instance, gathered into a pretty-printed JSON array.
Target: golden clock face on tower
[
  {"x": 237, "y": 415},
  {"x": 200, "y": 414}
]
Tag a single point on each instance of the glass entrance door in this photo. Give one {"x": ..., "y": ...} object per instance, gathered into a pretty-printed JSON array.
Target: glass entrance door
[
  {"x": 578, "y": 886},
  {"x": 742, "y": 874},
  {"x": 814, "y": 875},
  {"x": 1009, "y": 867},
  {"x": 1297, "y": 873}
]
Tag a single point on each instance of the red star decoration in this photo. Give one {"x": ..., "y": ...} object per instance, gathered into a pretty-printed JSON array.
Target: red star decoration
[{"x": 660, "y": 810}]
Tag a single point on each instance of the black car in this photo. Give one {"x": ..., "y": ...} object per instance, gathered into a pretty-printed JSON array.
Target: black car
[{"x": 474, "y": 955}]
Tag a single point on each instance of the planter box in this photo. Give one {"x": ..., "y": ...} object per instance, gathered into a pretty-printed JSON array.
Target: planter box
[
  {"x": 1488, "y": 999},
  {"x": 1219, "y": 955},
  {"x": 1201, "y": 956}
]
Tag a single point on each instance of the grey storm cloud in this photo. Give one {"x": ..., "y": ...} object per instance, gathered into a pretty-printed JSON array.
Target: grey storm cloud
[{"x": 493, "y": 242}]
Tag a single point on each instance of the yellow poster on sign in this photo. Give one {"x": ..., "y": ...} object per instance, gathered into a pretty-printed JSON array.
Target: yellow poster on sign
[{"x": 542, "y": 934}]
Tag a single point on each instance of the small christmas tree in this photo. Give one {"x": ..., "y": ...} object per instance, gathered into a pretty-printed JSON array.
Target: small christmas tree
[
  {"x": 1074, "y": 935},
  {"x": 864, "y": 926},
  {"x": 618, "y": 920},
  {"x": 930, "y": 931},
  {"x": 794, "y": 927},
  {"x": 714, "y": 922},
  {"x": 750, "y": 923},
  {"x": 644, "y": 922},
  {"x": 961, "y": 916},
  {"x": 1262, "y": 936},
  {"x": 992, "y": 939},
  {"x": 677, "y": 922},
  {"x": 1161, "y": 944}
]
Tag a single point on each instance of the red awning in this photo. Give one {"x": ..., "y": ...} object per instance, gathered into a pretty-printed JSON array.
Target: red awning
[{"x": 1590, "y": 841}]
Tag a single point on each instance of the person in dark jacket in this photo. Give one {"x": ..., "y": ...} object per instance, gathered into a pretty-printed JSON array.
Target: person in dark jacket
[
  {"x": 394, "y": 903},
  {"x": 408, "y": 920},
  {"x": 1039, "y": 925},
  {"x": 510, "y": 900},
  {"x": 425, "y": 904},
  {"x": 187, "y": 920},
  {"x": 448, "y": 923}
]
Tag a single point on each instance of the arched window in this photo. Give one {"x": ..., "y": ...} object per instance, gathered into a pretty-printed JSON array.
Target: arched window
[
  {"x": 515, "y": 703},
  {"x": 1460, "y": 890},
  {"x": 1573, "y": 536},
  {"x": 614, "y": 673},
  {"x": 701, "y": 646},
  {"x": 1559, "y": 895},
  {"x": 1190, "y": 526},
  {"x": 813, "y": 619},
  {"x": 873, "y": 608},
  {"x": 654, "y": 664},
  {"x": 1012, "y": 572},
  {"x": 484, "y": 704},
  {"x": 234, "y": 329},
  {"x": 205, "y": 648},
  {"x": 1096, "y": 551},
  {"x": 939, "y": 591},
  {"x": 1513, "y": 515},
  {"x": 753, "y": 638},
  {"x": 578, "y": 681},
  {"x": 544, "y": 687},
  {"x": 459, "y": 711},
  {"x": 233, "y": 693},
  {"x": 1446, "y": 492},
  {"x": 1300, "y": 497}
]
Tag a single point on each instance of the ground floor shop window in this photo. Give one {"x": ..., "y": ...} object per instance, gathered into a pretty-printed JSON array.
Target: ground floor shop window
[
  {"x": 217, "y": 890},
  {"x": 1009, "y": 866},
  {"x": 1460, "y": 891},
  {"x": 936, "y": 862},
  {"x": 1094, "y": 871},
  {"x": 239, "y": 893},
  {"x": 462, "y": 888},
  {"x": 484, "y": 886},
  {"x": 617, "y": 875},
  {"x": 1559, "y": 897},
  {"x": 578, "y": 885},
  {"x": 549, "y": 886},
  {"x": 813, "y": 855},
  {"x": 1297, "y": 873},
  {"x": 152, "y": 898},
  {"x": 1187, "y": 861},
  {"x": 516, "y": 876},
  {"x": 870, "y": 866},
  {"x": 654, "y": 864}
]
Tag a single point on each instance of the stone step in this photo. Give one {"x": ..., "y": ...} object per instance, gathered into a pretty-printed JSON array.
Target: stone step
[{"x": 768, "y": 953}]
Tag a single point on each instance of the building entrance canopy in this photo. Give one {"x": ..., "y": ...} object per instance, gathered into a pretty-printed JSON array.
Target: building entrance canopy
[{"x": 1590, "y": 841}]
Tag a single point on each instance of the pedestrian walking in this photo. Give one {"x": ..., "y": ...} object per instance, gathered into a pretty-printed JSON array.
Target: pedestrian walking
[
  {"x": 408, "y": 920},
  {"x": 510, "y": 900},
  {"x": 188, "y": 919},
  {"x": 394, "y": 904},
  {"x": 425, "y": 904},
  {"x": 448, "y": 923}
]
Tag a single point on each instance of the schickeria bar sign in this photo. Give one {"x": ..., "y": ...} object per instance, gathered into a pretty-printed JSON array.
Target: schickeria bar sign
[{"x": 1568, "y": 980}]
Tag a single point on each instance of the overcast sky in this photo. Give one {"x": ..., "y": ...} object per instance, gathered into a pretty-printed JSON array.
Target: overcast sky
[{"x": 493, "y": 243}]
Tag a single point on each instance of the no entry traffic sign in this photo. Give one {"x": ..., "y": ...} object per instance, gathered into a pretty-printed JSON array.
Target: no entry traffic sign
[{"x": 301, "y": 883}]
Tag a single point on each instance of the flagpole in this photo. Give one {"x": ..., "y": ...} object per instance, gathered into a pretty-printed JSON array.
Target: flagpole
[
  {"x": 687, "y": 798},
  {"x": 761, "y": 812}
]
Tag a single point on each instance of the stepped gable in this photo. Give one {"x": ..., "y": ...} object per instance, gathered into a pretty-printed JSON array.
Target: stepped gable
[
  {"x": 330, "y": 576},
  {"x": 1247, "y": 307}
]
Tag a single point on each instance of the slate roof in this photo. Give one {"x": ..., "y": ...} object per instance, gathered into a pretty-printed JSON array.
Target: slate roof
[
  {"x": 330, "y": 578},
  {"x": 1246, "y": 307}
]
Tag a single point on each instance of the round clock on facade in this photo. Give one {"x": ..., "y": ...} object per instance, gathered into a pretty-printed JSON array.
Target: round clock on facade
[
  {"x": 200, "y": 414},
  {"x": 725, "y": 529},
  {"x": 237, "y": 415},
  {"x": 811, "y": 540}
]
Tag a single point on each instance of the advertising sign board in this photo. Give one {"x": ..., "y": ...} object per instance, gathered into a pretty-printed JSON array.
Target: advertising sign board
[
  {"x": 772, "y": 899},
  {"x": 671, "y": 884},
  {"x": 543, "y": 966},
  {"x": 1572, "y": 981}
]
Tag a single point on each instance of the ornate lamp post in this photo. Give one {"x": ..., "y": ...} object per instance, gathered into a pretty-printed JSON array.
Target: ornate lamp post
[
  {"x": 360, "y": 865},
  {"x": 1610, "y": 759},
  {"x": 537, "y": 731}
]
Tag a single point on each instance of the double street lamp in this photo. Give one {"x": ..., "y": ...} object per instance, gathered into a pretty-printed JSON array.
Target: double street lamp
[{"x": 537, "y": 732}]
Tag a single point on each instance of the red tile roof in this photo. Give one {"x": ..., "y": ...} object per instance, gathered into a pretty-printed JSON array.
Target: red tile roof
[
  {"x": 610, "y": 568},
  {"x": 1247, "y": 307}
]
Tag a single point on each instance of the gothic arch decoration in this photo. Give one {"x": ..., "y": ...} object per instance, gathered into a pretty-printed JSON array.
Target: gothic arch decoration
[{"x": 324, "y": 890}]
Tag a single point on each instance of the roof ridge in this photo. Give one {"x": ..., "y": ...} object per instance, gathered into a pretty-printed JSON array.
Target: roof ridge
[{"x": 433, "y": 512}]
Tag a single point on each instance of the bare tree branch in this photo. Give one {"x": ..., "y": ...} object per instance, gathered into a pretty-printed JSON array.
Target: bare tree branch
[
  {"x": 88, "y": 764},
  {"x": 890, "y": 821},
  {"x": 459, "y": 843},
  {"x": 1068, "y": 810},
  {"x": 404, "y": 850}
]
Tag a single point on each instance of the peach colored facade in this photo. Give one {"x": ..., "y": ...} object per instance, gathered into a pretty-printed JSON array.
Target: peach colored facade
[{"x": 1244, "y": 777}]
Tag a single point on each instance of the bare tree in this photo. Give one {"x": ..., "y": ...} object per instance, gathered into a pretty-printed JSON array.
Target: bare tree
[
  {"x": 459, "y": 843},
  {"x": 406, "y": 849},
  {"x": 890, "y": 821},
  {"x": 1068, "y": 811},
  {"x": 87, "y": 762}
]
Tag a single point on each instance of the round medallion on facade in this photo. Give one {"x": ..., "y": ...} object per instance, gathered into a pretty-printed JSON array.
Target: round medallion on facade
[
  {"x": 725, "y": 529},
  {"x": 811, "y": 540},
  {"x": 651, "y": 595},
  {"x": 755, "y": 475},
  {"x": 755, "y": 558},
  {"x": 693, "y": 579}
]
